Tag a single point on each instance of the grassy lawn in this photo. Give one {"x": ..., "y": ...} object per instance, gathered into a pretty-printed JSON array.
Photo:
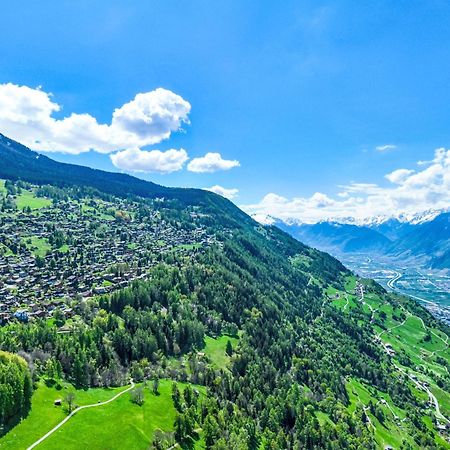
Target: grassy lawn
[
  {"x": 5, "y": 251},
  {"x": 44, "y": 415},
  {"x": 301, "y": 261},
  {"x": 64, "y": 248},
  {"x": 38, "y": 246},
  {"x": 323, "y": 418},
  {"x": 339, "y": 303},
  {"x": 331, "y": 291},
  {"x": 215, "y": 350},
  {"x": 119, "y": 424},
  {"x": 373, "y": 300},
  {"x": 188, "y": 246},
  {"x": 28, "y": 198},
  {"x": 443, "y": 399},
  {"x": 85, "y": 207},
  {"x": 440, "y": 441},
  {"x": 350, "y": 283}
]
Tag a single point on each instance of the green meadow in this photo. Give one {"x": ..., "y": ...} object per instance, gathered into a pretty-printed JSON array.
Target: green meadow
[
  {"x": 215, "y": 350},
  {"x": 28, "y": 199},
  {"x": 119, "y": 424}
]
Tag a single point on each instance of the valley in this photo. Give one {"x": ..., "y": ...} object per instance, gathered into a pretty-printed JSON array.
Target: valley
[{"x": 430, "y": 288}]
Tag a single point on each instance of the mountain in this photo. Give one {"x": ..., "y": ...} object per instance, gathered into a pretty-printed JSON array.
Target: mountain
[
  {"x": 19, "y": 162},
  {"x": 393, "y": 228},
  {"x": 422, "y": 238},
  {"x": 338, "y": 238},
  {"x": 429, "y": 239},
  {"x": 231, "y": 335}
]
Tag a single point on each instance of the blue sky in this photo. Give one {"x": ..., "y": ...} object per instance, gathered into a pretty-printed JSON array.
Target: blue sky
[{"x": 301, "y": 93}]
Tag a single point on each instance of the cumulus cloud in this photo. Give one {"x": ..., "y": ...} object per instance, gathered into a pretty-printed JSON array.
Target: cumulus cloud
[
  {"x": 399, "y": 175},
  {"x": 409, "y": 192},
  {"x": 224, "y": 192},
  {"x": 211, "y": 162},
  {"x": 385, "y": 148},
  {"x": 27, "y": 115},
  {"x": 137, "y": 160}
]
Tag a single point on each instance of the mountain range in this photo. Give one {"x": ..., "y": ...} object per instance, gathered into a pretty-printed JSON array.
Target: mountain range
[{"x": 424, "y": 238}]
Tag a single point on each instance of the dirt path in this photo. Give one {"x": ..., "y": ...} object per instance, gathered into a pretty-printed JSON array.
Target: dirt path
[
  {"x": 423, "y": 387},
  {"x": 93, "y": 405}
]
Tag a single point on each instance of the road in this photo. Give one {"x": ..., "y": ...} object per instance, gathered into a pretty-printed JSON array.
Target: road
[
  {"x": 423, "y": 387},
  {"x": 420, "y": 385},
  {"x": 393, "y": 280},
  {"x": 93, "y": 405},
  {"x": 346, "y": 303}
]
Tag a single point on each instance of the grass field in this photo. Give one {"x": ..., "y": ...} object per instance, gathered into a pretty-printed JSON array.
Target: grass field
[
  {"x": 188, "y": 246},
  {"x": 119, "y": 424},
  {"x": 4, "y": 250},
  {"x": 29, "y": 199},
  {"x": 390, "y": 432},
  {"x": 64, "y": 248},
  {"x": 38, "y": 246},
  {"x": 350, "y": 283},
  {"x": 215, "y": 350},
  {"x": 44, "y": 415}
]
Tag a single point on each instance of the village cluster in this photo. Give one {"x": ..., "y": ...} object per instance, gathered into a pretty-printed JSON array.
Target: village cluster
[{"x": 74, "y": 250}]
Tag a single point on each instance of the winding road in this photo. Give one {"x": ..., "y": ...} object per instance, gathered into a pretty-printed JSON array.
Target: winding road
[
  {"x": 393, "y": 280},
  {"x": 93, "y": 405},
  {"x": 418, "y": 384},
  {"x": 423, "y": 387}
]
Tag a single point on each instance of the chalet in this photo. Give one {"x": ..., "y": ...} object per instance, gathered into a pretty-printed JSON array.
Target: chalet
[{"x": 21, "y": 315}]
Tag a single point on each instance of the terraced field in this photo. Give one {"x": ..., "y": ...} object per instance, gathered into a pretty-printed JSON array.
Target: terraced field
[{"x": 419, "y": 352}]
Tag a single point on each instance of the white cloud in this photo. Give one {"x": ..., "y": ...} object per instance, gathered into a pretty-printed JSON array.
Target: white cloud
[
  {"x": 211, "y": 162},
  {"x": 224, "y": 192},
  {"x": 399, "y": 175},
  {"x": 26, "y": 114},
  {"x": 137, "y": 160},
  {"x": 385, "y": 148},
  {"x": 321, "y": 200},
  {"x": 409, "y": 192}
]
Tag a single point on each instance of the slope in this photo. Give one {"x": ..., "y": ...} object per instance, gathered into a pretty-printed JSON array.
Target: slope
[{"x": 299, "y": 374}]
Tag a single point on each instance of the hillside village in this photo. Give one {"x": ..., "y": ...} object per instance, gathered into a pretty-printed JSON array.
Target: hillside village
[{"x": 54, "y": 252}]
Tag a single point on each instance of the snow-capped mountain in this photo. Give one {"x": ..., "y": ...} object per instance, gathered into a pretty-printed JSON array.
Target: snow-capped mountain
[{"x": 423, "y": 236}]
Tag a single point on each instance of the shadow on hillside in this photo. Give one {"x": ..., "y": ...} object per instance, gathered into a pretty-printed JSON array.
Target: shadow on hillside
[{"x": 15, "y": 420}]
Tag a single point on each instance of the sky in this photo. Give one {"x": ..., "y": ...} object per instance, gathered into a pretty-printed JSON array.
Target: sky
[{"x": 303, "y": 110}]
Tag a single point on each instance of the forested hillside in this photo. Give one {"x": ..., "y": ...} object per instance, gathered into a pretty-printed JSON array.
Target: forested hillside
[{"x": 281, "y": 346}]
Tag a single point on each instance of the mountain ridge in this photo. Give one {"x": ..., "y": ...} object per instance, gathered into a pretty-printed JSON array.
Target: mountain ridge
[{"x": 20, "y": 162}]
